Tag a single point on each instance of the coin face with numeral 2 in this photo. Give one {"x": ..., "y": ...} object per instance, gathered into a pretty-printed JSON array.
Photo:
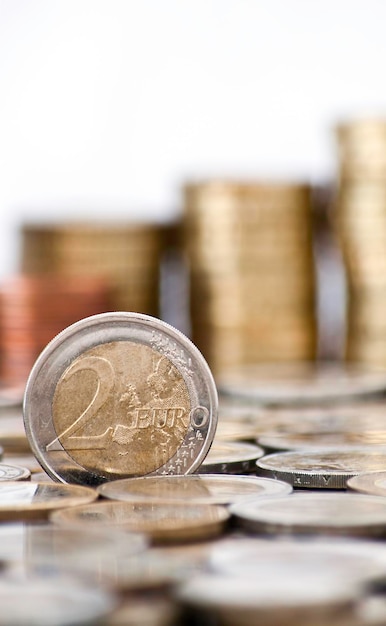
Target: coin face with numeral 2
[{"x": 119, "y": 395}]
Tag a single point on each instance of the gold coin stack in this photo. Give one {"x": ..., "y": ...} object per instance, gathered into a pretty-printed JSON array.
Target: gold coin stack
[
  {"x": 360, "y": 222},
  {"x": 252, "y": 282},
  {"x": 126, "y": 255}
]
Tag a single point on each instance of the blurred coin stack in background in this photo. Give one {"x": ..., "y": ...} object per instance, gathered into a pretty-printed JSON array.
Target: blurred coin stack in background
[
  {"x": 36, "y": 308},
  {"x": 360, "y": 221},
  {"x": 251, "y": 265},
  {"x": 126, "y": 255}
]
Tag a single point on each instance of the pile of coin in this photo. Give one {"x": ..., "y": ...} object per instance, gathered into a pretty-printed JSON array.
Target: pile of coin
[
  {"x": 127, "y": 255},
  {"x": 251, "y": 267},
  {"x": 359, "y": 215},
  {"x": 33, "y": 309},
  {"x": 157, "y": 520}
]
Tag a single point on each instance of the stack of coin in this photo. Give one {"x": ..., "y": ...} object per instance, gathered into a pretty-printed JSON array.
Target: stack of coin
[
  {"x": 360, "y": 221},
  {"x": 36, "y": 308},
  {"x": 252, "y": 281},
  {"x": 127, "y": 255}
]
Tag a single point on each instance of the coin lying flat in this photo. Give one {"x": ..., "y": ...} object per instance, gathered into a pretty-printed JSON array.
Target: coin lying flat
[
  {"x": 38, "y": 600},
  {"x": 139, "y": 611},
  {"x": 231, "y": 457},
  {"x": 117, "y": 395},
  {"x": 322, "y": 469},
  {"x": 306, "y": 599},
  {"x": 352, "y": 559},
  {"x": 23, "y": 460},
  {"x": 235, "y": 430},
  {"x": 12, "y": 434},
  {"x": 41, "y": 477},
  {"x": 20, "y": 500},
  {"x": 350, "y": 514},
  {"x": 328, "y": 418},
  {"x": 13, "y": 472},
  {"x": 195, "y": 488},
  {"x": 373, "y": 483},
  {"x": 310, "y": 441},
  {"x": 303, "y": 383},
  {"x": 95, "y": 552},
  {"x": 162, "y": 522}
]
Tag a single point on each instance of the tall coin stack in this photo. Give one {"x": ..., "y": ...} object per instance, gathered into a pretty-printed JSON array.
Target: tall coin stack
[
  {"x": 127, "y": 255},
  {"x": 252, "y": 282},
  {"x": 360, "y": 219}
]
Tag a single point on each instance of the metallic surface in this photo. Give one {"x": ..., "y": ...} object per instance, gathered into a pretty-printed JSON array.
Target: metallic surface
[
  {"x": 197, "y": 489},
  {"x": 322, "y": 469},
  {"x": 116, "y": 395}
]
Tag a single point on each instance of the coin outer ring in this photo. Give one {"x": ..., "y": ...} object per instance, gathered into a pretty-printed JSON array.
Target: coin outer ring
[{"x": 93, "y": 331}]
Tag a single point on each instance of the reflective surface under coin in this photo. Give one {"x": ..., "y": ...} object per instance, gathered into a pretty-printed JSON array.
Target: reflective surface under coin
[
  {"x": 120, "y": 394},
  {"x": 301, "y": 383},
  {"x": 162, "y": 522},
  {"x": 24, "y": 499},
  {"x": 198, "y": 489},
  {"x": 373, "y": 483},
  {"x": 13, "y": 472},
  {"x": 323, "y": 469},
  {"x": 330, "y": 513}
]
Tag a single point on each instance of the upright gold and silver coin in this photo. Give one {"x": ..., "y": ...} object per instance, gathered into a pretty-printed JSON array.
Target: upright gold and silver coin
[{"x": 120, "y": 395}]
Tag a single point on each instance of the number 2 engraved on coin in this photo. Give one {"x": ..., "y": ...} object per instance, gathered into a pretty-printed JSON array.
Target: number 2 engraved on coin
[
  {"x": 105, "y": 377},
  {"x": 124, "y": 408}
]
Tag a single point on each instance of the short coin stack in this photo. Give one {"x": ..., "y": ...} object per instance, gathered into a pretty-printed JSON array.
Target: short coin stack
[
  {"x": 36, "y": 308},
  {"x": 249, "y": 247},
  {"x": 360, "y": 220},
  {"x": 127, "y": 255}
]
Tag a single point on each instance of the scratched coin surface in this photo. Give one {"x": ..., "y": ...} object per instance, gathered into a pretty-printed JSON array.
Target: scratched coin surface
[
  {"x": 322, "y": 468},
  {"x": 120, "y": 395}
]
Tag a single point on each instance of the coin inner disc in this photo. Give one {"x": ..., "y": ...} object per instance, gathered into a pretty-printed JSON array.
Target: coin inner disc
[{"x": 121, "y": 408}]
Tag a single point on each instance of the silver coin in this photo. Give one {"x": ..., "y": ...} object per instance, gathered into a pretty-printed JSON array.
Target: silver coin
[
  {"x": 270, "y": 599},
  {"x": 94, "y": 552},
  {"x": 317, "y": 440},
  {"x": 49, "y": 600},
  {"x": 301, "y": 383},
  {"x": 353, "y": 559},
  {"x": 231, "y": 457},
  {"x": 350, "y": 514},
  {"x": 322, "y": 469},
  {"x": 117, "y": 395},
  {"x": 166, "y": 522},
  {"x": 373, "y": 483},
  {"x": 13, "y": 472},
  {"x": 24, "y": 500},
  {"x": 195, "y": 488}
]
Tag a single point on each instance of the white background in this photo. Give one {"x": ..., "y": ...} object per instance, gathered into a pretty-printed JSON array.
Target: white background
[{"x": 108, "y": 106}]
